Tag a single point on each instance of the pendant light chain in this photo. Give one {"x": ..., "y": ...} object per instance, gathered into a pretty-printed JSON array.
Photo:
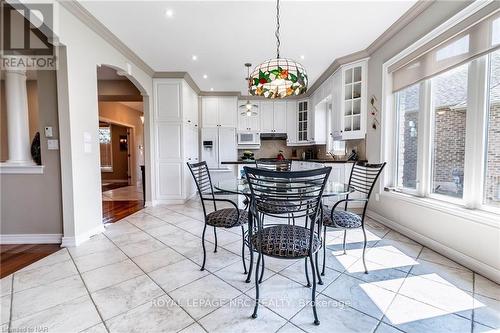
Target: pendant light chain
[{"x": 277, "y": 34}]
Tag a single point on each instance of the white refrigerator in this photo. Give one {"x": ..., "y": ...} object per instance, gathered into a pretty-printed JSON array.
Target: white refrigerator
[{"x": 218, "y": 144}]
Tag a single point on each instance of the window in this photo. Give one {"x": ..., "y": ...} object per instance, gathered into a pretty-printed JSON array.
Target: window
[
  {"x": 445, "y": 115},
  {"x": 449, "y": 101},
  {"x": 407, "y": 108},
  {"x": 491, "y": 195},
  {"x": 105, "y": 148}
]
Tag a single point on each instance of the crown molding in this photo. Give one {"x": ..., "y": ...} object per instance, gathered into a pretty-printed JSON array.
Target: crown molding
[
  {"x": 221, "y": 93},
  {"x": 89, "y": 20},
  {"x": 418, "y": 8},
  {"x": 179, "y": 75}
]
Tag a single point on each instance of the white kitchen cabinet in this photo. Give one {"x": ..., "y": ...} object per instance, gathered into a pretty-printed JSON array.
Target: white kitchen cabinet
[
  {"x": 291, "y": 122},
  {"x": 303, "y": 121},
  {"x": 336, "y": 113},
  {"x": 219, "y": 111},
  {"x": 228, "y": 107},
  {"x": 266, "y": 117},
  {"x": 279, "y": 117},
  {"x": 210, "y": 111},
  {"x": 354, "y": 99},
  {"x": 273, "y": 117},
  {"x": 248, "y": 123},
  {"x": 175, "y": 128}
]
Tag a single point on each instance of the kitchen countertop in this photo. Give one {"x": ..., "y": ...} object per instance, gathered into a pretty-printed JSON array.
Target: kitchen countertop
[{"x": 316, "y": 161}]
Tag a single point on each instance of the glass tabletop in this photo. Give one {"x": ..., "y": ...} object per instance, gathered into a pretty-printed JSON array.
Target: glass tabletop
[{"x": 240, "y": 186}]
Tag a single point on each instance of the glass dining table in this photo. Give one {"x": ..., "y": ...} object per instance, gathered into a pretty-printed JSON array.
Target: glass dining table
[{"x": 240, "y": 186}]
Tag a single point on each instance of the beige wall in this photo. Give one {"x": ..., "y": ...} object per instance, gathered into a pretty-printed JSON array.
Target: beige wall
[
  {"x": 115, "y": 112},
  {"x": 31, "y": 204}
]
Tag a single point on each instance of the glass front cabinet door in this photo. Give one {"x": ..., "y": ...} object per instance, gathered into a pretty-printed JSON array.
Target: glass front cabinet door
[{"x": 354, "y": 108}]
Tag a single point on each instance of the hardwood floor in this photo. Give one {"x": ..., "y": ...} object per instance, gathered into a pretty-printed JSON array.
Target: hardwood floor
[
  {"x": 13, "y": 257},
  {"x": 113, "y": 211}
]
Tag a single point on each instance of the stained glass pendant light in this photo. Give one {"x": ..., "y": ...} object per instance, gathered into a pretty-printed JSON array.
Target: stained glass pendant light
[
  {"x": 279, "y": 77},
  {"x": 248, "y": 108}
]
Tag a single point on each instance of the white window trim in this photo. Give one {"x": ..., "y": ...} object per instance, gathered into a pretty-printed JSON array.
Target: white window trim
[
  {"x": 388, "y": 147},
  {"x": 13, "y": 169}
]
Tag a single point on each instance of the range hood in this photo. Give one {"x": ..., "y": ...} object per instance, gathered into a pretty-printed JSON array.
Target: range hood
[{"x": 273, "y": 136}]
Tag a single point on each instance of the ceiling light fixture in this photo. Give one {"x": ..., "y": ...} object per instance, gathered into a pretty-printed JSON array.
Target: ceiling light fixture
[
  {"x": 194, "y": 57},
  {"x": 247, "y": 107},
  {"x": 211, "y": 89},
  {"x": 302, "y": 57},
  {"x": 278, "y": 77},
  {"x": 205, "y": 76},
  {"x": 169, "y": 13}
]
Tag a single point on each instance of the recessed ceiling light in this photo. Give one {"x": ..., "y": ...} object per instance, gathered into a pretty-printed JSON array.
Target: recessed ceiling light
[
  {"x": 194, "y": 57},
  {"x": 211, "y": 89},
  {"x": 302, "y": 57},
  {"x": 205, "y": 76},
  {"x": 169, "y": 13}
]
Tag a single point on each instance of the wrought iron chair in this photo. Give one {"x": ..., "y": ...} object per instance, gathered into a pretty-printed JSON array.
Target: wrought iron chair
[
  {"x": 274, "y": 164},
  {"x": 298, "y": 191},
  {"x": 222, "y": 218},
  {"x": 362, "y": 178}
]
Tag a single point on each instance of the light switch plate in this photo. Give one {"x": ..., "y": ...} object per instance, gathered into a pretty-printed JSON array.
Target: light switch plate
[
  {"x": 53, "y": 144},
  {"x": 48, "y": 131}
]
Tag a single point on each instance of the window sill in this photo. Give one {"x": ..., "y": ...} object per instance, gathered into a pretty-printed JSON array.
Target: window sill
[
  {"x": 475, "y": 215},
  {"x": 9, "y": 169}
]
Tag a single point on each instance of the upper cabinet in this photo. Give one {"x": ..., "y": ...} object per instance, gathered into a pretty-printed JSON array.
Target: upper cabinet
[
  {"x": 219, "y": 111},
  {"x": 353, "y": 115},
  {"x": 248, "y": 123},
  {"x": 291, "y": 122},
  {"x": 303, "y": 121},
  {"x": 273, "y": 117}
]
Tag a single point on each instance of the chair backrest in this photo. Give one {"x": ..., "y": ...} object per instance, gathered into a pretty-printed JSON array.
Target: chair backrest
[
  {"x": 298, "y": 192},
  {"x": 203, "y": 182},
  {"x": 273, "y": 164},
  {"x": 364, "y": 176}
]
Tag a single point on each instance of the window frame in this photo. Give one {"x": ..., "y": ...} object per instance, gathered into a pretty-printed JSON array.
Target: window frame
[{"x": 476, "y": 129}]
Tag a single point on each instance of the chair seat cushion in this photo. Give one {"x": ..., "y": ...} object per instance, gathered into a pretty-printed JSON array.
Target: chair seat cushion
[
  {"x": 341, "y": 219},
  {"x": 227, "y": 218},
  {"x": 285, "y": 241},
  {"x": 271, "y": 206}
]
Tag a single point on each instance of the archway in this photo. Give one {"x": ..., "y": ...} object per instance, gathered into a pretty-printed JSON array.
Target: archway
[{"x": 122, "y": 140}]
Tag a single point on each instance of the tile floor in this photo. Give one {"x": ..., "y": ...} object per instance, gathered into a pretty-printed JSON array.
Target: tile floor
[{"x": 143, "y": 275}]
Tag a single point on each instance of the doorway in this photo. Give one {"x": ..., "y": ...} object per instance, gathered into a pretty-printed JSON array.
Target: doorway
[{"x": 121, "y": 143}]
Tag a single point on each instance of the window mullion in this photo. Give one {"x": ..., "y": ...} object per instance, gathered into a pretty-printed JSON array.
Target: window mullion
[
  {"x": 424, "y": 140},
  {"x": 475, "y": 133}
]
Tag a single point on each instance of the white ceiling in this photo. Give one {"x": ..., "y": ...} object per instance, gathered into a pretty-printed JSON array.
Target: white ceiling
[{"x": 226, "y": 34}]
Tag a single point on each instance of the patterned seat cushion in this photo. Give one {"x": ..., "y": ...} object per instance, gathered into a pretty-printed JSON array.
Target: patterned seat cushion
[
  {"x": 341, "y": 219},
  {"x": 227, "y": 218},
  {"x": 276, "y": 207},
  {"x": 286, "y": 241}
]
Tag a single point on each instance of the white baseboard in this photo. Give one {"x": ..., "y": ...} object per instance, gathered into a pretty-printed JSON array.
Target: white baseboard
[
  {"x": 79, "y": 239},
  {"x": 31, "y": 239},
  {"x": 169, "y": 202},
  {"x": 461, "y": 258}
]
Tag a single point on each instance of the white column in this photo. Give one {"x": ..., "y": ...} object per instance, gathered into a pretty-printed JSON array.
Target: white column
[{"x": 16, "y": 96}]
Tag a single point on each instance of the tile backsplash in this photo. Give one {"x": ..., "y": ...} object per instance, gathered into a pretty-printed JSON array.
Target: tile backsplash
[{"x": 271, "y": 148}]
